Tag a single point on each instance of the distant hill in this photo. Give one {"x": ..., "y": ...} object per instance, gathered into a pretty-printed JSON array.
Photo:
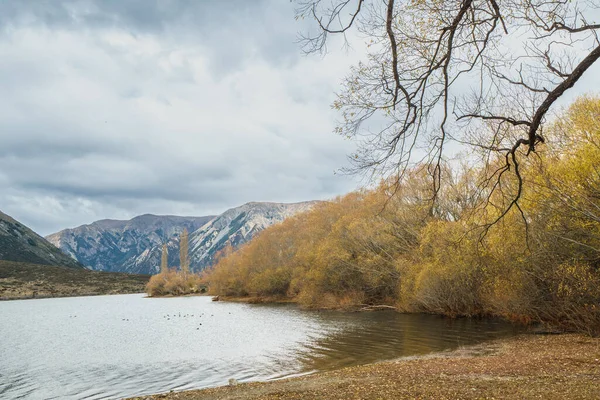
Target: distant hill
[
  {"x": 24, "y": 280},
  {"x": 237, "y": 226},
  {"x": 21, "y": 244},
  {"x": 132, "y": 246}
]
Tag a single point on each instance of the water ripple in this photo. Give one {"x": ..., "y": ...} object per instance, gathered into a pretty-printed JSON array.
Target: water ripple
[{"x": 120, "y": 346}]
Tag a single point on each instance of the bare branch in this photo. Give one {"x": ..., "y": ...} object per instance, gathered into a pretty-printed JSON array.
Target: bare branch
[
  {"x": 568, "y": 83},
  {"x": 515, "y": 59}
]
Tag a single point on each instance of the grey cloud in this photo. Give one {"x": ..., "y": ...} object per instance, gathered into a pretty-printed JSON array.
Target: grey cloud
[
  {"x": 112, "y": 109},
  {"x": 137, "y": 15},
  {"x": 233, "y": 30}
]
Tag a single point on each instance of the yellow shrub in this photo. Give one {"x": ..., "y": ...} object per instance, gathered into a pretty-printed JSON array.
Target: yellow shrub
[{"x": 174, "y": 283}]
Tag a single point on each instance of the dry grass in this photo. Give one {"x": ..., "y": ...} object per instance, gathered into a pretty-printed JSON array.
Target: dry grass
[
  {"x": 23, "y": 280},
  {"x": 526, "y": 367}
]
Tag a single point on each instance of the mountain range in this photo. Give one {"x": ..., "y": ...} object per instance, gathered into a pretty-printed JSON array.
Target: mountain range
[{"x": 134, "y": 246}]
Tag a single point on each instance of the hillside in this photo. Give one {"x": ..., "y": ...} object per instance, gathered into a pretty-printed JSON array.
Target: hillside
[
  {"x": 24, "y": 280},
  {"x": 21, "y": 244},
  {"x": 131, "y": 246},
  {"x": 237, "y": 226}
]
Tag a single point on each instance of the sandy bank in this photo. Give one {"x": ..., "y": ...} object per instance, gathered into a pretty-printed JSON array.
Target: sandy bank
[{"x": 525, "y": 367}]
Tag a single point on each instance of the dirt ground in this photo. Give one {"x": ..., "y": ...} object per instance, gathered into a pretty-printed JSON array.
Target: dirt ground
[{"x": 525, "y": 367}]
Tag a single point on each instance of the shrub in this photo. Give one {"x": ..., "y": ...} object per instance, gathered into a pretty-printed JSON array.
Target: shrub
[
  {"x": 540, "y": 262},
  {"x": 174, "y": 283}
]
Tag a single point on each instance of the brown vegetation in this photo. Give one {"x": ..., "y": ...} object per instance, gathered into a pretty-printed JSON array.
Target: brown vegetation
[
  {"x": 24, "y": 280},
  {"x": 463, "y": 255},
  {"x": 170, "y": 282},
  {"x": 175, "y": 283}
]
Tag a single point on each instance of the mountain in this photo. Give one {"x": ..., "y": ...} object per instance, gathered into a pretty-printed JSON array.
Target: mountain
[
  {"x": 21, "y": 244},
  {"x": 237, "y": 226},
  {"x": 132, "y": 246},
  {"x": 135, "y": 246}
]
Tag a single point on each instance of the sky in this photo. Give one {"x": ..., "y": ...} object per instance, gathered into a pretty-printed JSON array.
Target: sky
[
  {"x": 117, "y": 108},
  {"x": 112, "y": 109}
]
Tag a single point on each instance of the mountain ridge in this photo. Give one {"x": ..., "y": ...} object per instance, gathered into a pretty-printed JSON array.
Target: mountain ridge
[
  {"x": 135, "y": 245},
  {"x": 116, "y": 245}
]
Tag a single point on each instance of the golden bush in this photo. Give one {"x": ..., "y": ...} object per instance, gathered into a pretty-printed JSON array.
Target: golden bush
[{"x": 539, "y": 263}]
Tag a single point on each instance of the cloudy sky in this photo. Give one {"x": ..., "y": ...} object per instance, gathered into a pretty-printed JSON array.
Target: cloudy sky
[{"x": 112, "y": 109}]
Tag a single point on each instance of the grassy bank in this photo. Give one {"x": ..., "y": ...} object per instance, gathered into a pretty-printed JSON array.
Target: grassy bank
[
  {"x": 24, "y": 281},
  {"x": 525, "y": 367}
]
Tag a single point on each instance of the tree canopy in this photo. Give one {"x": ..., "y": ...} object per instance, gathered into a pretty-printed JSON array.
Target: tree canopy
[
  {"x": 482, "y": 73},
  {"x": 353, "y": 252}
]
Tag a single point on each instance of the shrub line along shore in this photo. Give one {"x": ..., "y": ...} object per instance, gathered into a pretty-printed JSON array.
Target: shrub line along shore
[
  {"x": 474, "y": 251},
  {"x": 523, "y": 367}
]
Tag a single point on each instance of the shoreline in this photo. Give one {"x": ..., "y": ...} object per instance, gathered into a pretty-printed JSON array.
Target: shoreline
[
  {"x": 526, "y": 366},
  {"x": 256, "y": 300}
]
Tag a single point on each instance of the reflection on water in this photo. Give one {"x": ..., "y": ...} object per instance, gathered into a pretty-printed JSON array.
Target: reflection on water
[
  {"x": 372, "y": 337},
  {"x": 117, "y": 346}
]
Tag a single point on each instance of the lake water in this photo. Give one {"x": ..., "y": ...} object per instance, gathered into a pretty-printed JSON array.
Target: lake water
[{"x": 126, "y": 345}]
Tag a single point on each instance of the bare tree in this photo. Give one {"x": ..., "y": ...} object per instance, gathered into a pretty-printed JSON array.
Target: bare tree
[
  {"x": 164, "y": 259},
  {"x": 484, "y": 73},
  {"x": 184, "y": 258}
]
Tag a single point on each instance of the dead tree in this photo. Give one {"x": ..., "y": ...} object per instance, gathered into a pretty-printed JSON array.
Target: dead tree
[
  {"x": 184, "y": 258},
  {"x": 164, "y": 263}
]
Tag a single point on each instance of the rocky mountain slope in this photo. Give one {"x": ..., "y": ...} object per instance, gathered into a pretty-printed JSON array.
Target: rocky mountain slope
[
  {"x": 132, "y": 246},
  {"x": 237, "y": 226},
  {"x": 21, "y": 244},
  {"x": 135, "y": 246}
]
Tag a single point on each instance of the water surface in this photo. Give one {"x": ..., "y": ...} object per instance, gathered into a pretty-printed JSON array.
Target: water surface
[{"x": 118, "y": 346}]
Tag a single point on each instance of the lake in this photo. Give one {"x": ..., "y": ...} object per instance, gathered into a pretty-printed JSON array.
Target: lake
[{"x": 125, "y": 345}]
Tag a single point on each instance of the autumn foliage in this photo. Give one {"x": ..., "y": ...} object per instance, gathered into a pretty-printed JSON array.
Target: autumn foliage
[
  {"x": 173, "y": 282},
  {"x": 371, "y": 248}
]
